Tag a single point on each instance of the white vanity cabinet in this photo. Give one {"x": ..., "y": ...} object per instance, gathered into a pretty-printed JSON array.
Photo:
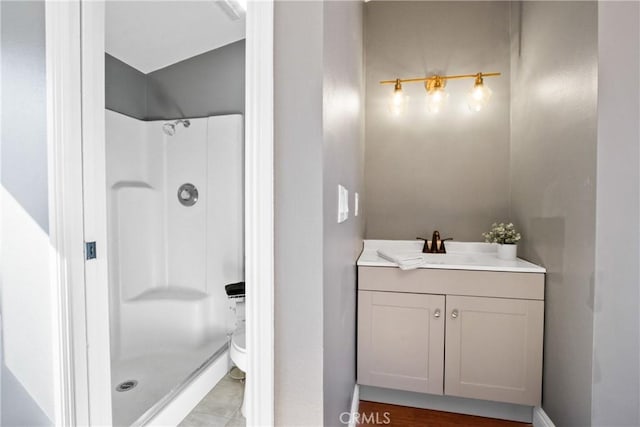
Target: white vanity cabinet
[
  {"x": 494, "y": 349},
  {"x": 394, "y": 324},
  {"x": 474, "y": 334}
]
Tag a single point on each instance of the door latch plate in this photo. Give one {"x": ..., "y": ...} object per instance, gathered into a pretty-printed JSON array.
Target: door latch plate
[{"x": 90, "y": 250}]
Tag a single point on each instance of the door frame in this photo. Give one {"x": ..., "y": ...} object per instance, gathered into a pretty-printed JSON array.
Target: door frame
[
  {"x": 77, "y": 199},
  {"x": 259, "y": 212}
]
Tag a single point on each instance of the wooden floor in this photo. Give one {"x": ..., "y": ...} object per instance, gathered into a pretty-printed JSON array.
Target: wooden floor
[{"x": 381, "y": 414}]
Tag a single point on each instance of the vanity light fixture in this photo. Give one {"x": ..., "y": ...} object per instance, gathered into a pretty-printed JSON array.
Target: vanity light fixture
[
  {"x": 436, "y": 95},
  {"x": 479, "y": 95},
  {"x": 398, "y": 99}
]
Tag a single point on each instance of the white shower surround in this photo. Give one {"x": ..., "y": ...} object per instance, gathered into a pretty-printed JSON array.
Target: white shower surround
[{"x": 169, "y": 263}]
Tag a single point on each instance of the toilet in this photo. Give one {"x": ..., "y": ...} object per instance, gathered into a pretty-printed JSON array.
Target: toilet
[
  {"x": 238, "y": 354},
  {"x": 238, "y": 347}
]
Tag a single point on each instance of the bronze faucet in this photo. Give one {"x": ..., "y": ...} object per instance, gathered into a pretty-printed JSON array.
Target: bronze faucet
[{"x": 437, "y": 244}]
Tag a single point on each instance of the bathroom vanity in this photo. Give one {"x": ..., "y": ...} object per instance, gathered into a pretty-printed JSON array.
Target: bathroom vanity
[{"x": 463, "y": 324}]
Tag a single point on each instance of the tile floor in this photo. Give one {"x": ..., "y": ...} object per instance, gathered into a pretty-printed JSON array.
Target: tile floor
[{"x": 219, "y": 408}]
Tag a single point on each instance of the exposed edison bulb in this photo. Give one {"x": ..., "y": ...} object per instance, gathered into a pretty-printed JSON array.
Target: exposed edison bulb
[
  {"x": 436, "y": 95},
  {"x": 398, "y": 100},
  {"x": 479, "y": 95}
]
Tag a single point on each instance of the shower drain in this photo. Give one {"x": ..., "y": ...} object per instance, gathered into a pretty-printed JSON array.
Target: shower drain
[{"x": 127, "y": 385}]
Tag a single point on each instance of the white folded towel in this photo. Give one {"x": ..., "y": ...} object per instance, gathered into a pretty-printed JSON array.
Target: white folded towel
[{"x": 404, "y": 261}]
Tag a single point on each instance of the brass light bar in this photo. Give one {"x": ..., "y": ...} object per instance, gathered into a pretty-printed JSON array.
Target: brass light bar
[{"x": 436, "y": 77}]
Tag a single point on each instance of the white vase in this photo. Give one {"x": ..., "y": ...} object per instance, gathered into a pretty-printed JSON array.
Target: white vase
[{"x": 507, "y": 252}]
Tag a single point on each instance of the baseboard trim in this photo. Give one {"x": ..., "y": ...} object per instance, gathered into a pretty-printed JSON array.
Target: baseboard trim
[
  {"x": 355, "y": 406},
  {"x": 541, "y": 419}
]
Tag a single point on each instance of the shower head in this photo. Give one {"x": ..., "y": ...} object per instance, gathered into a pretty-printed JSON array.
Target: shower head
[{"x": 169, "y": 128}]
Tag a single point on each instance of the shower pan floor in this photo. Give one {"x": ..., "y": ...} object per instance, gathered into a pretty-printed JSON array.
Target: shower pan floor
[{"x": 156, "y": 375}]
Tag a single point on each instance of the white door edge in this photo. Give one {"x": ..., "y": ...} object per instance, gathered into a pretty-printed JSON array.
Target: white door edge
[
  {"x": 259, "y": 221},
  {"x": 64, "y": 157}
]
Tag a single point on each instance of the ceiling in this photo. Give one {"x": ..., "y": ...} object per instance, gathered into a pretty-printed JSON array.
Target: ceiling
[{"x": 149, "y": 35}]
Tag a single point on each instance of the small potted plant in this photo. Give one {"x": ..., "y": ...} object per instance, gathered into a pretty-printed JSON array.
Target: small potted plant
[{"x": 506, "y": 236}]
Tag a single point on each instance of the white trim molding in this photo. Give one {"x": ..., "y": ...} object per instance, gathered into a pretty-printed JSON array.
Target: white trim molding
[
  {"x": 75, "y": 139},
  {"x": 259, "y": 216},
  {"x": 541, "y": 419},
  {"x": 355, "y": 407},
  {"x": 96, "y": 280},
  {"x": 64, "y": 146}
]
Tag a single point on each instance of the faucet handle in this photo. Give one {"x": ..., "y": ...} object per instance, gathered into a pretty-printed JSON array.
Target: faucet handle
[
  {"x": 442, "y": 249},
  {"x": 425, "y": 248}
]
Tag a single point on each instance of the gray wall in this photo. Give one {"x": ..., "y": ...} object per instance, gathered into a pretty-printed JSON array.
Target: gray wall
[
  {"x": 23, "y": 158},
  {"x": 125, "y": 88},
  {"x": 450, "y": 170},
  {"x": 298, "y": 214},
  {"x": 319, "y": 144},
  {"x": 616, "y": 329},
  {"x": 24, "y": 109},
  {"x": 553, "y": 178},
  {"x": 205, "y": 85},
  {"x": 343, "y": 163}
]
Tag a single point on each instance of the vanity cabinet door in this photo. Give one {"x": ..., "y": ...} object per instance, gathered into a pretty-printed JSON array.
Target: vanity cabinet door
[
  {"x": 494, "y": 349},
  {"x": 401, "y": 341}
]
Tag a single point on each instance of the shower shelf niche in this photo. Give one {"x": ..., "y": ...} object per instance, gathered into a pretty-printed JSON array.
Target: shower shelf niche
[
  {"x": 131, "y": 184},
  {"x": 173, "y": 293}
]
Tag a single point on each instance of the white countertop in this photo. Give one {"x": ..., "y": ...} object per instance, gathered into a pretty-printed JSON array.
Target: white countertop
[{"x": 460, "y": 256}]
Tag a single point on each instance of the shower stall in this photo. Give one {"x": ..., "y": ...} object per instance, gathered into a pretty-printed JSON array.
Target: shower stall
[{"x": 175, "y": 230}]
